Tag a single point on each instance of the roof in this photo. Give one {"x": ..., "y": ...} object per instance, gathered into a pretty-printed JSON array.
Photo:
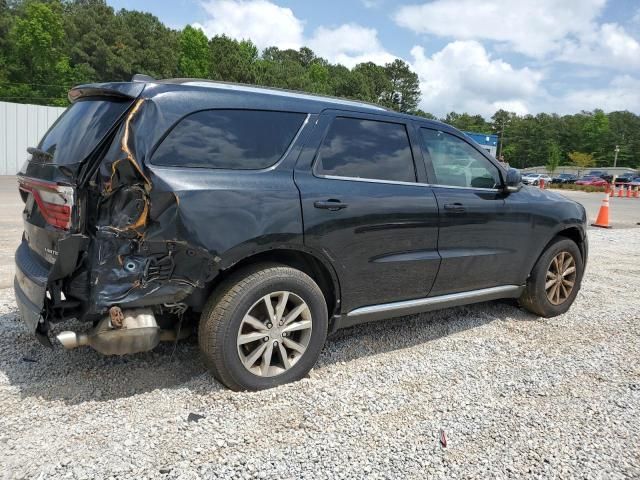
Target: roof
[
  {"x": 205, "y": 93},
  {"x": 242, "y": 87}
]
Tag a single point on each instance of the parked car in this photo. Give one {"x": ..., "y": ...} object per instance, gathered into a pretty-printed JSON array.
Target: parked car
[
  {"x": 564, "y": 178},
  {"x": 592, "y": 181},
  {"x": 635, "y": 182},
  {"x": 534, "y": 179},
  {"x": 266, "y": 219},
  {"x": 601, "y": 174},
  {"x": 626, "y": 177}
]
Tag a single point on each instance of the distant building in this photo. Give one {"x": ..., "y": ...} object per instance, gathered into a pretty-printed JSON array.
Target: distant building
[{"x": 488, "y": 142}]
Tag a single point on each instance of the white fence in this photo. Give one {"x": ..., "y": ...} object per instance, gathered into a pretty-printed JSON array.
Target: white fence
[{"x": 22, "y": 126}]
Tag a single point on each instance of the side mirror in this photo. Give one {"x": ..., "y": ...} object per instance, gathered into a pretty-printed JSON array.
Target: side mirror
[{"x": 512, "y": 181}]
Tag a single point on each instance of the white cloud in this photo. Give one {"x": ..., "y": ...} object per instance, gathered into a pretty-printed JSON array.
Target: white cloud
[
  {"x": 622, "y": 93},
  {"x": 372, "y": 3},
  {"x": 265, "y": 23},
  {"x": 531, "y": 27},
  {"x": 268, "y": 24},
  {"x": 609, "y": 45},
  {"x": 463, "y": 77},
  {"x": 566, "y": 31},
  {"x": 349, "y": 45}
]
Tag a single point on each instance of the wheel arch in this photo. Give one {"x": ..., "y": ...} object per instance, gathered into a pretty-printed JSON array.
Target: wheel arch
[
  {"x": 305, "y": 260},
  {"x": 572, "y": 232}
]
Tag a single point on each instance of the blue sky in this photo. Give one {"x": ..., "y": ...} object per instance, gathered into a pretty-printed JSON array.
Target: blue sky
[{"x": 476, "y": 56}]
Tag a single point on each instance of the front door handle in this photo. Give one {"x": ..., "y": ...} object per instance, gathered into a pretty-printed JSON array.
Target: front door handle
[
  {"x": 454, "y": 207},
  {"x": 331, "y": 204}
]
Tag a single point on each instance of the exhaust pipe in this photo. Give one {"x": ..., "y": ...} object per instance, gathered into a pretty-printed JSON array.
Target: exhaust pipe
[{"x": 139, "y": 332}]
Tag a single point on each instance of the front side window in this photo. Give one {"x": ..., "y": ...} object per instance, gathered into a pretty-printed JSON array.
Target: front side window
[
  {"x": 366, "y": 149},
  {"x": 456, "y": 163},
  {"x": 232, "y": 139}
]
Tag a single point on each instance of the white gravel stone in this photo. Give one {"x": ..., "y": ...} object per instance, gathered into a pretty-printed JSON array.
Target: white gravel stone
[{"x": 517, "y": 396}]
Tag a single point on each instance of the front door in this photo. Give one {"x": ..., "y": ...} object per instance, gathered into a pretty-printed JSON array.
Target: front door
[
  {"x": 476, "y": 240},
  {"x": 364, "y": 209}
]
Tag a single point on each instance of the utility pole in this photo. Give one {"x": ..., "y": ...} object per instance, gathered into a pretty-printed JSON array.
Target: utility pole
[
  {"x": 615, "y": 157},
  {"x": 501, "y": 140}
]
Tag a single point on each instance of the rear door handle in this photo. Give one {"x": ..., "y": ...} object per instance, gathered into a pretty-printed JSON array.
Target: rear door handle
[
  {"x": 331, "y": 204},
  {"x": 454, "y": 207}
]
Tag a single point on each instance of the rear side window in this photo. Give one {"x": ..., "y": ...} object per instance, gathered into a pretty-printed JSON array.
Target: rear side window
[
  {"x": 79, "y": 130},
  {"x": 232, "y": 139},
  {"x": 366, "y": 149}
]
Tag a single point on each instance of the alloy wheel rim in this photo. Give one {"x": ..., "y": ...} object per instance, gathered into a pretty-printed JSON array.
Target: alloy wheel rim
[
  {"x": 561, "y": 278},
  {"x": 274, "y": 334}
]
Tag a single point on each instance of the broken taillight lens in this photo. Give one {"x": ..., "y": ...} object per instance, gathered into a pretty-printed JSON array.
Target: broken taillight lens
[{"x": 54, "y": 201}]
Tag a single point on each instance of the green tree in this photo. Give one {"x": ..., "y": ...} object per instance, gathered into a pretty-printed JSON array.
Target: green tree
[
  {"x": 38, "y": 70},
  {"x": 404, "y": 94},
  {"x": 376, "y": 85},
  {"x": 554, "y": 158},
  {"x": 233, "y": 61},
  {"x": 149, "y": 46},
  {"x": 466, "y": 122},
  {"x": 193, "y": 58},
  {"x": 596, "y": 136},
  {"x": 581, "y": 159},
  {"x": 92, "y": 40}
]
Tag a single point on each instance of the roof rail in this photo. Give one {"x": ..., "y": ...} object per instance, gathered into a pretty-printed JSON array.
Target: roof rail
[{"x": 319, "y": 96}]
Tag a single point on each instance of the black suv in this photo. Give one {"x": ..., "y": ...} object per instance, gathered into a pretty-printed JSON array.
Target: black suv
[{"x": 266, "y": 219}]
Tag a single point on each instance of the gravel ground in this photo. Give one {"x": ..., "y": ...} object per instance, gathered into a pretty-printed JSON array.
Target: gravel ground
[{"x": 516, "y": 396}]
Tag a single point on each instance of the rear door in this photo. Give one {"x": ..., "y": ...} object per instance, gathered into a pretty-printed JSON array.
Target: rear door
[
  {"x": 366, "y": 207},
  {"x": 479, "y": 240}
]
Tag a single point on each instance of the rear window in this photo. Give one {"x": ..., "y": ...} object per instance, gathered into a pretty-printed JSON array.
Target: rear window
[
  {"x": 366, "y": 149},
  {"x": 79, "y": 130},
  {"x": 230, "y": 139}
]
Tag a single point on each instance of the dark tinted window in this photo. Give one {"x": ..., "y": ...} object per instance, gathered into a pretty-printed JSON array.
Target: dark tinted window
[
  {"x": 79, "y": 130},
  {"x": 238, "y": 139},
  {"x": 456, "y": 163},
  {"x": 367, "y": 149}
]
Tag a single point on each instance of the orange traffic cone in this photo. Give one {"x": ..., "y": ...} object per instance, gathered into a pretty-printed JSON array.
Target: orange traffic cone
[
  {"x": 628, "y": 192},
  {"x": 612, "y": 192},
  {"x": 621, "y": 192},
  {"x": 603, "y": 214},
  {"x": 636, "y": 193}
]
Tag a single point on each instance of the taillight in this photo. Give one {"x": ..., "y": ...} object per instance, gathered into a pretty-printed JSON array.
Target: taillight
[{"x": 55, "y": 202}]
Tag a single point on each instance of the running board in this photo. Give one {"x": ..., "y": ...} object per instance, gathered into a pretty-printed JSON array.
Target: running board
[{"x": 419, "y": 305}]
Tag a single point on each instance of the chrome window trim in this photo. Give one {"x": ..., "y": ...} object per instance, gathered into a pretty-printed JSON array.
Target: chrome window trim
[{"x": 393, "y": 182}]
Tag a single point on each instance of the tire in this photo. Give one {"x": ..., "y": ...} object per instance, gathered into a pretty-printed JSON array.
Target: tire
[
  {"x": 535, "y": 297},
  {"x": 225, "y": 320}
]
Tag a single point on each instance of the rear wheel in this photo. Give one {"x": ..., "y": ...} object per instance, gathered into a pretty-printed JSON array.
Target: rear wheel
[
  {"x": 555, "y": 279},
  {"x": 265, "y": 326}
]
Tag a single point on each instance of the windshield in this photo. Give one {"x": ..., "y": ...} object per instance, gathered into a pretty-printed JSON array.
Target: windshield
[{"x": 79, "y": 130}]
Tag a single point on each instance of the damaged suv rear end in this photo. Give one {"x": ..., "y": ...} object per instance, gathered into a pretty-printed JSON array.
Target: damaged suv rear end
[{"x": 100, "y": 243}]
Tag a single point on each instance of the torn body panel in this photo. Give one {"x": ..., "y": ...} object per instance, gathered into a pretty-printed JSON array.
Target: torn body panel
[
  {"x": 126, "y": 268},
  {"x": 162, "y": 235},
  {"x": 158, "y": 237}
]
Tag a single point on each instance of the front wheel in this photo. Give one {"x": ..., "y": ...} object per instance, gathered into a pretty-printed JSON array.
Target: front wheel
[
  {"x": 263, "y": 327},
  {"x": 555, "y": 279}
]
